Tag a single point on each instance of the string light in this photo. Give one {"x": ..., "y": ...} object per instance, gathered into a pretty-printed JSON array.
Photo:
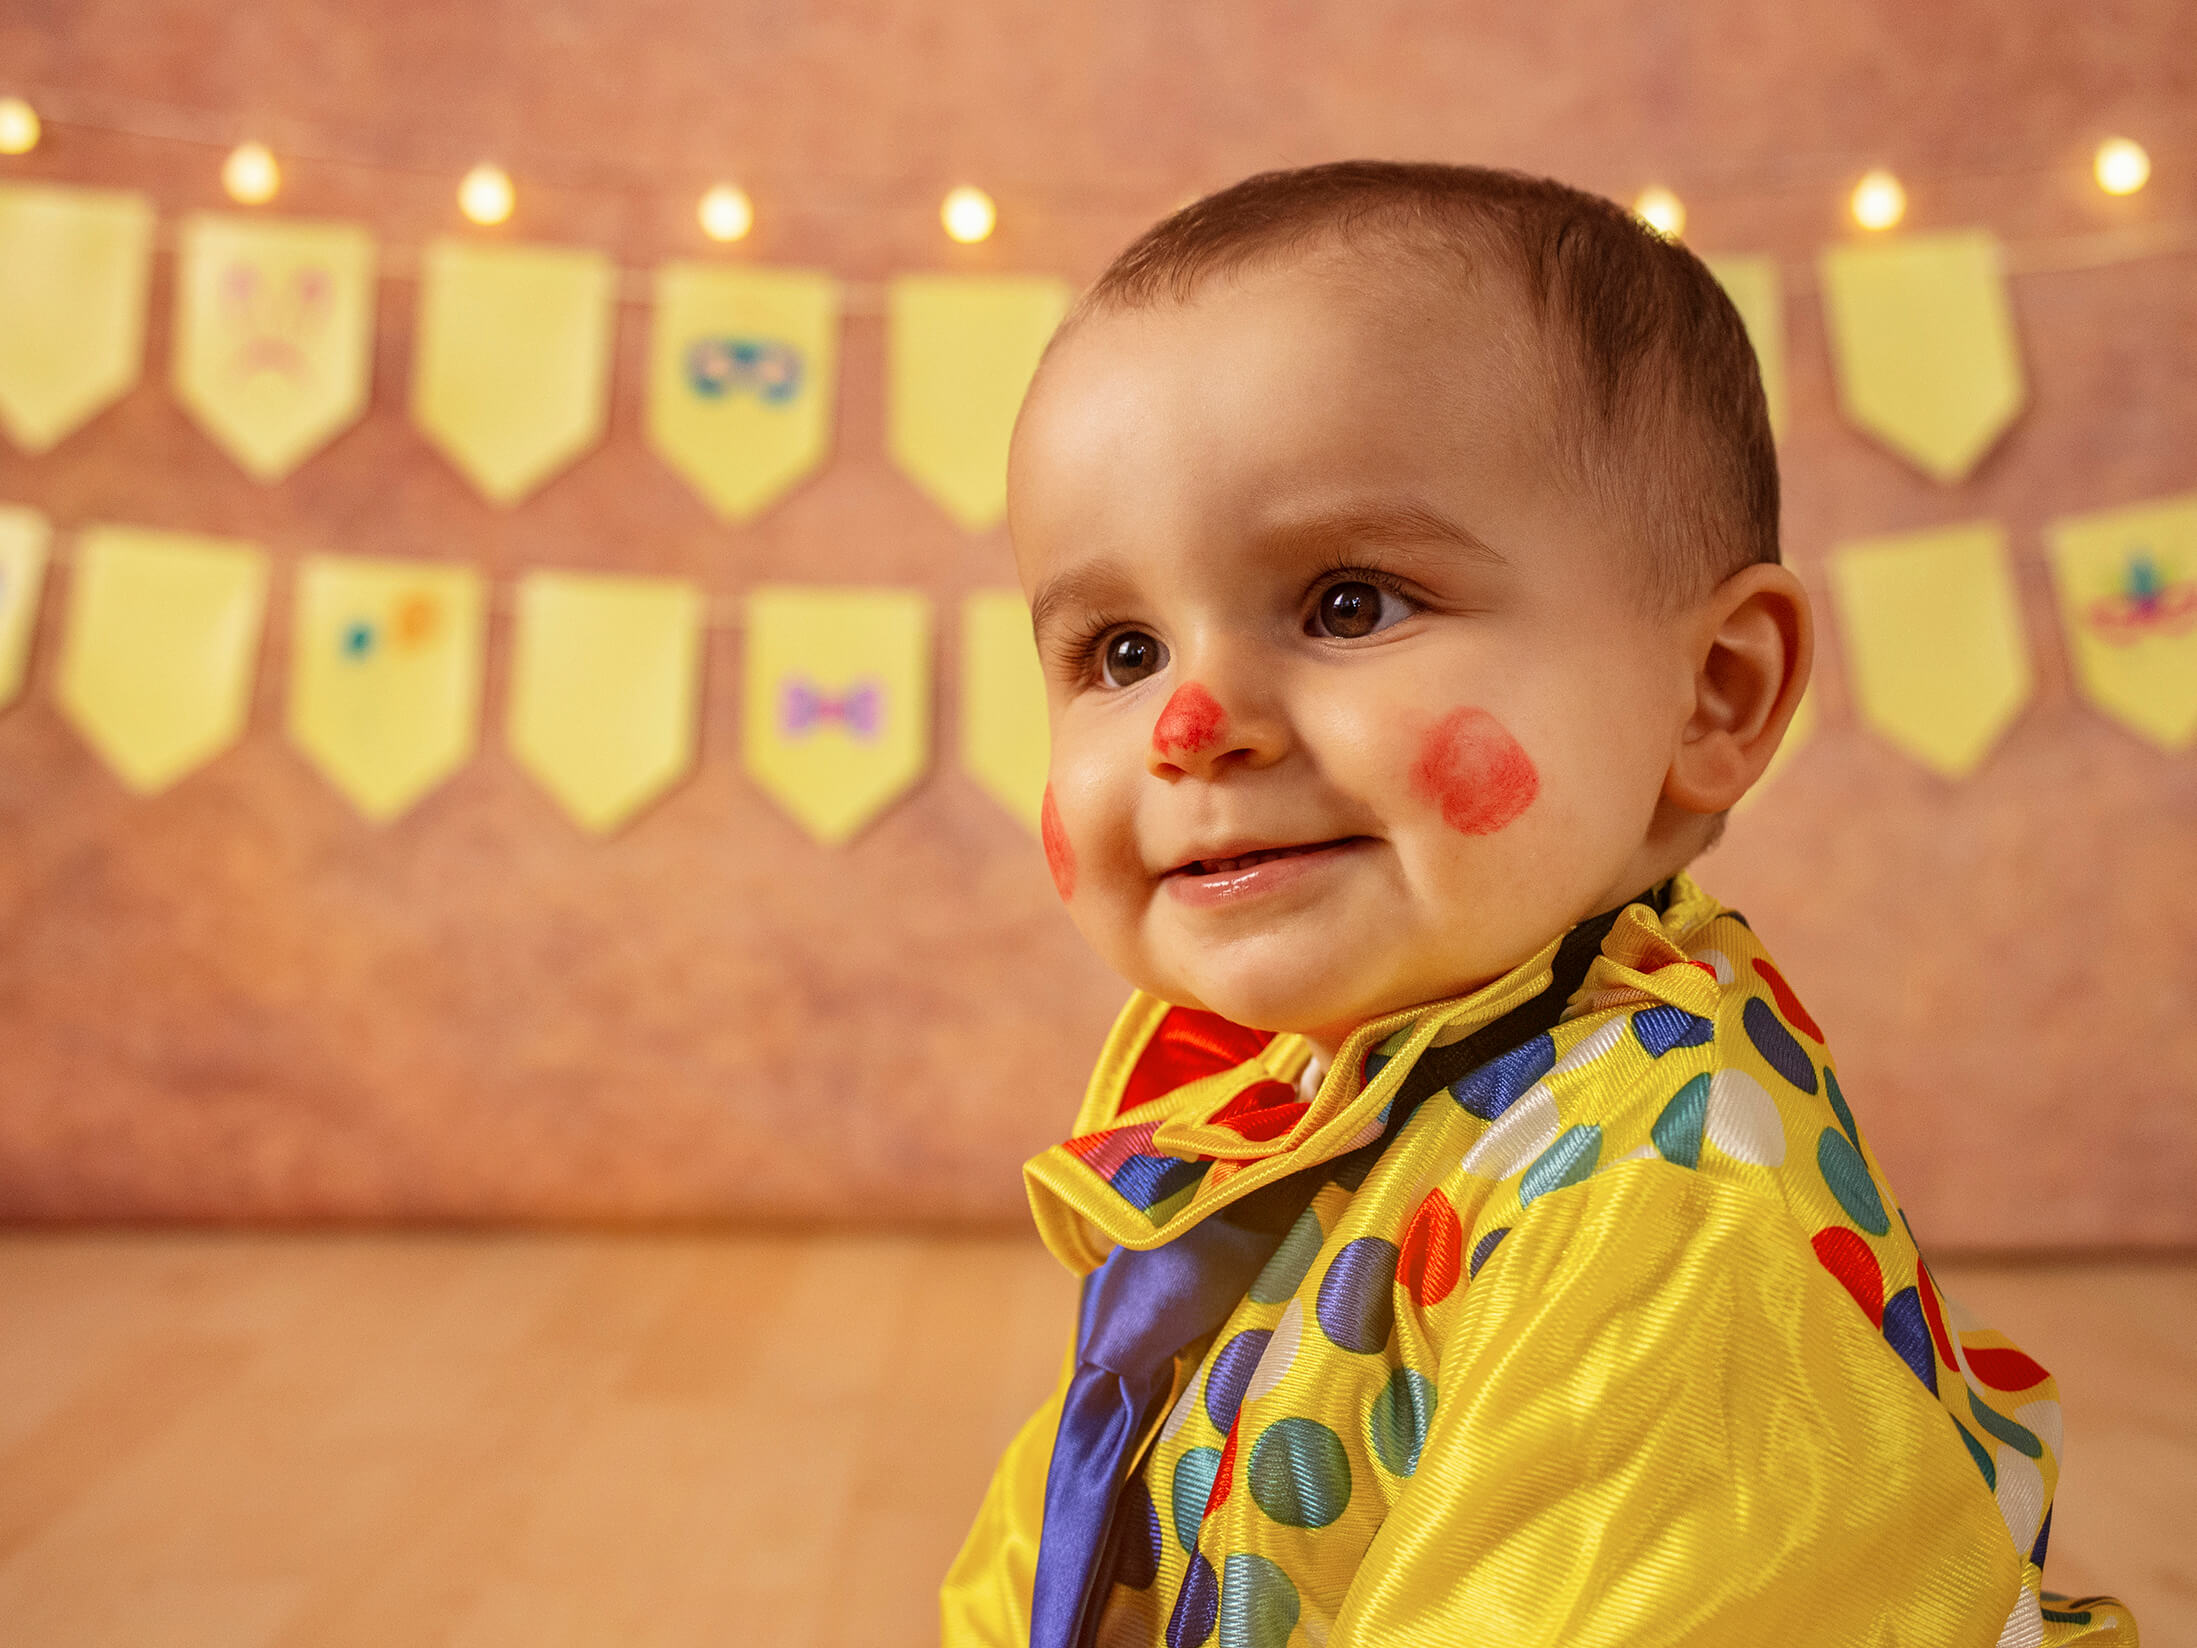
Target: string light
[
  {"x": 1879, "y": 201},
  {"x": 2121, "y": 166},
  {"x": 968, "y": 214},
  {"x": 19, "y": 126},
  {"x": 726, "y": 213},
  {"x": 485, "y": 195},
  {"x": 1661, "y": 211},
  {"x": 250, "y": 174}
]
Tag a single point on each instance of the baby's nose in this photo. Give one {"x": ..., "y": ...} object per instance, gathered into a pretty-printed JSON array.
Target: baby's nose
[{"x": 1191, "y": 724}]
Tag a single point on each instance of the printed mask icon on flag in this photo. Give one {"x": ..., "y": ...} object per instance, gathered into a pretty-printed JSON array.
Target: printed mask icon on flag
[
  {"x": 73, "y": 269},
  {"x": 24, "y": 536},
  {"x": 512, "y": 372},
  {"x": 838, "y": 701},
  {"x": 1004, "y": 741},
  {"x": 962, "y": 350},
  {"x": 1923, "y": 339},
  {"x": 274, "y": 330},
  {"x": 1934, "y": 644},
  {"x": 604, "y": 679},
  {"x": 385, "y": 675},
  {"x": 158, "y": 647},
  {"x": 2128, "y": 597},
  {"x": 743, "y": 364}
]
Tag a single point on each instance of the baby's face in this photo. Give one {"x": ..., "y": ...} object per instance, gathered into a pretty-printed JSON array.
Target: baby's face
[{"x": 1355, "y": 704}]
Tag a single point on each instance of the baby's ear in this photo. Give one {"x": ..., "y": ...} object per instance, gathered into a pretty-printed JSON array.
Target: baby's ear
[{"x": 1755, "y": 644}]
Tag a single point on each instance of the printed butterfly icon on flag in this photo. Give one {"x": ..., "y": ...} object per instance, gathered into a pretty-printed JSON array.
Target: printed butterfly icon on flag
[{"x": 804, "y": 708}]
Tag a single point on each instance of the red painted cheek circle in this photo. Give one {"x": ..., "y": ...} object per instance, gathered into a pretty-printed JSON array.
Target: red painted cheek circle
[
  {"x": 1060, "y": 857},
  {"x": 1471, "y": 767},
  {"x": 1192, "y": 721}
]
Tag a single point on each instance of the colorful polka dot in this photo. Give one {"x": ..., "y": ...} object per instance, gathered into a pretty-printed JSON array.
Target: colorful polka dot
[
  {"x": 2002, "y": 1367},
  {"x": 1224, "y": 1474},
  {"x": 1357, "y": 1304},
  {"x": 1528, "y": 1128},
  {"x": 1906, "y": 1332},
  {"x": 1838, "y": 1106},
  {"x": 1484, "y": 1249},
  {"x": 1196, "y": 1606},
  {"x": 1848, "y": 1176},
  {"x": 2020, "y": 1493},
  {"x": 1590, "y": 1047},
  {"x": 1788, "y": 1003},
  {"x": 1977, "y": 1452},
  {"x": 1847, "y": 1257},
  {"x": 2018, "y": 1437},
  {"x": 1927, "y": 1286},
  {"x": 1258, "y": 1604},
  {"x": 1776, "y": 1045},
  {"x": 1743, "y": 1120},
  {"x": 1397, "y": 1425},
  {"x": 1717, "y": 962},
  {"x": 1191, "y": 1488},
  {"x": 1677, "y": 1131},
  {"x": 1659, "y": 1029},
  {"x": 1179, "y": 1415},
  {"x": 1570, "y": 1159},
  {"x": 2036, "y": 1555},
  {"x": 1230, "y": 1373},
  {"x": 1300, "y": 1475},
  {"x": 1498, "y": 1084},
  {"x": 1433, "y": 1245},
  {"x": 1281, "y": 1351},
  {"x": 1137, "y": 1562},
  {"x": 2043, "y": 1417}
]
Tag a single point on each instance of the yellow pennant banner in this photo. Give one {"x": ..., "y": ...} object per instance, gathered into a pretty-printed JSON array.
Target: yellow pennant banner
[
  {"x": 1922, "y": 336},
  {"x": 1756, "y": 292},
  {"x": 24, "y": 537},
  {"x": 512, "y": 373},
  {"x": 73, "y": 270},
  {"x": 961, "y": 353},
  {"x": 2128, "y": 597},
  {"x": 1934, "y": 644},
  {"x": 837, "y": 717},
  {"x": 743, "y": 365},
  {"x": 1004, "y": 742},
  {"x": 604, "y": 687},
  {"x": 158, "y": 648},
  {"x": 385, "y": 675},
  {"x": 274, "y": 328}
]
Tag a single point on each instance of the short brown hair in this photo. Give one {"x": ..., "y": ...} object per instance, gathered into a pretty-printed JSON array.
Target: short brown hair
[{"x": 1665, "y": 417}]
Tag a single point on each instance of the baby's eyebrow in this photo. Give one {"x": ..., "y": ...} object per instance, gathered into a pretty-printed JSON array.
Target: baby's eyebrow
[
  {"x": 1096, "y": 584},
  {"x": 1404, "y": 528}
]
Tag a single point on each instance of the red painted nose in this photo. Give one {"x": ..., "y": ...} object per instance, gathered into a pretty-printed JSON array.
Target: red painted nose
[{"x": 1191, "y": 723}]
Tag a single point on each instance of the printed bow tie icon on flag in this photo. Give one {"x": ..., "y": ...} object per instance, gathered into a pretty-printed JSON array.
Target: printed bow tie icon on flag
[{"x": 804, "y": 707}]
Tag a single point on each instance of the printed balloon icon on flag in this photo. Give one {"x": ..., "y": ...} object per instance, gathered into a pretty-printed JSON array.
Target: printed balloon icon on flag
[
  {"x": 743, "y": 364},
  {"x": 838, "y": 701},
  {"x": 2128, "y": 597},
  {"x": 73, "y": 270},
  {"x": 385, "y": 675},
  {"x": 512, "y": 374},
  {"x": 1004, "y": 741},
  {"x": 1923, "y": 339},
  {"x": 24, "y": 537},
  {"x": 1756, "y": 292},
  {"x": 1934, "y": 644},
  {"x": 962, "y": 350},
  {"x": 157, "y": 651},
  {"x": 604, "y": 680},
  {"x": 274, "y": 334}
]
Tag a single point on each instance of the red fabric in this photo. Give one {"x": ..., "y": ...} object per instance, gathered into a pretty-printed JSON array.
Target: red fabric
[
  {"x": 2004, "y": 1368},
  {"x": 1433, "y": 1245},
  {"x": 1264, "y": 1110},
  {"x": 1223, "y": 1477},
  {"x": 1787, "y": 1003},
  {"x": 1926, "y": 1285},
  {"x": 1847, "y": 1257},
  {"x": 1187, "y": 1045}
]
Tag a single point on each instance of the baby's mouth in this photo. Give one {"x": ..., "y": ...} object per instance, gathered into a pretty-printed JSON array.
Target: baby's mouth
[{"x": 1244, "y": 861}]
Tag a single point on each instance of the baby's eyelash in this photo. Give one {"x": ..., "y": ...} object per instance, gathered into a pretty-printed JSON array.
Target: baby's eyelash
[
  {"x": 1343, "y": 572},
  {"x": 1073, "y": 654}
]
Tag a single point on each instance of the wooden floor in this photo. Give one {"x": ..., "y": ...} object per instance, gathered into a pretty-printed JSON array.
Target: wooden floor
[{"x": 571, "y": 1441}]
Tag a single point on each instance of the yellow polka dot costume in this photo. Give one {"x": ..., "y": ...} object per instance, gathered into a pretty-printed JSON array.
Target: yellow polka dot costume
[{"x": 1619, "y": 1338}]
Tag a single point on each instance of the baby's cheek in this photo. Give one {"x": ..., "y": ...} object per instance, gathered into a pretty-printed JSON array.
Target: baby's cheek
[
  {"x": 1060, "y": 856},
  {"x": 1471, "y": 768}
]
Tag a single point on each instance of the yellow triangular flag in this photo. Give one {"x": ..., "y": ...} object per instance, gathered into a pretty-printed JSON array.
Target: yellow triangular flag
[
  {"x": 274, "y": 327},
  {"x": 604, "y": 681},
  {"x": 962, "y": 351},
  {"x": 24, "y": 536},
  {"x": 838, "y": 701},
  {"x": 73, "y": 268},
  {"x": 1934, "y": 643},
  {"x": 2128, "y": 595},
  {"x": 1004, "y": 742},
  {"x": 1756, "y": 292},
  {"x": 1923, "y": 339},
  {"x": 511, "y": 374},
  {"x": 743, "y": 364},
  {"x": 158, "y": 648},
  {"x": 385, "y": 675}
]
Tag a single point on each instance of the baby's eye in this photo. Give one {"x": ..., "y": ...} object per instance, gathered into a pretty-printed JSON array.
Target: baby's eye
[
  {"x": 1349, "y": 610},
  {"x": 1129, "y": 656}
]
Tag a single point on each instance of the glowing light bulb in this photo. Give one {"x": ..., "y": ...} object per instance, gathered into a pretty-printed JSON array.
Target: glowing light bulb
[
  {"x": 1661, "y": 211},
  {"x": 2121, "y": 167},
  {"x": 968, "y": 214},
  {"x": 19, "y": 126},
  {"x": 485, "y": 195},
  {"x": 1879, "y": 201},
  {"x": 726, "y": 213},
  {"x": 250, "y": 174}
]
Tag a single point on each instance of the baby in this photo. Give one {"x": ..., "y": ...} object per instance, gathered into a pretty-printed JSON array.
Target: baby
[{"x": 1477, "y": 1245}]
